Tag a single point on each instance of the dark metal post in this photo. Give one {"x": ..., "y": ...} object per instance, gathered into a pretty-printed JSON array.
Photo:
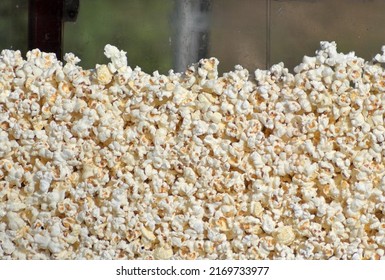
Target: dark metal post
[{"x": 45, "y": 28}]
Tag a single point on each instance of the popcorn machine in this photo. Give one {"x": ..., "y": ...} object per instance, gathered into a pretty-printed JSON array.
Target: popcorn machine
[{"x": 103, "y": 159}]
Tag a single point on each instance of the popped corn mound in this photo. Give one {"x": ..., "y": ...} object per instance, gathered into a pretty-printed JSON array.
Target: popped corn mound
[{"x": 114, "y": 163}]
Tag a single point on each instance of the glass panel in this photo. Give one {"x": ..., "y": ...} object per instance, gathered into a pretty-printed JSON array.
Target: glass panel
[
  {"x": 238, "y": 33},
  {"x": 139, "y": 27},
  {"x": 160, "y": 35},
  {"x": 13, "y": 25},
  {"x": 157, "y": 35},
  {"x": 299, "y": 25}
]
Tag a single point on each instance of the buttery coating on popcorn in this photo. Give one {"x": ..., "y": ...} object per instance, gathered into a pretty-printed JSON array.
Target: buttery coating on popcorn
[{"x": 114, "y": 163}]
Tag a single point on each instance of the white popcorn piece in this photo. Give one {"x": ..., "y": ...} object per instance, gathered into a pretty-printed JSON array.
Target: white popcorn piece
[
  {"x": 118, "y": 58},
  {"x": 103, "y": 74},
  {"x": 148, "y": 234},
  {"x": 8, "y": 247},
  {"x": 42, "y": 240},
  {"x": 256, "y": 209},
  {"x": 380, "y": 57},
  {"x": 163, "y": 253},
  {"x": 268, "y": 224},
  {"x": 45, "y": 179},
  {"x": 14, "y": 221},
  {"x": 285, "y": 235}
]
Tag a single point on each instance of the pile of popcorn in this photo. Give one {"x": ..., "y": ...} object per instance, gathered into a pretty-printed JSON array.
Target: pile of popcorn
[{"x": 114, "y": 163}]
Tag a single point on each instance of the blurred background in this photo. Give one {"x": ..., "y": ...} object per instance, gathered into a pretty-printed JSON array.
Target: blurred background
[{"x": 171, "y": 34}]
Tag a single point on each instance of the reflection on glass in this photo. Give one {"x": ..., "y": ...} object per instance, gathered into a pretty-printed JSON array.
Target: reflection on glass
[{"x": 191, "y": 24}]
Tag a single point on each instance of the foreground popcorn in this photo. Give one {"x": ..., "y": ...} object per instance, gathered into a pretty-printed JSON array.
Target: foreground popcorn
[{"x": 113, "y": 163}]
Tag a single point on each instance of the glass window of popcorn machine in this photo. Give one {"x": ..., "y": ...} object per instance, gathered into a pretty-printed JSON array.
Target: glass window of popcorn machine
[{"x": 171, "y": 34}]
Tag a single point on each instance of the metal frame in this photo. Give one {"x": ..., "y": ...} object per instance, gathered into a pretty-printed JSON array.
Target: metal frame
[{"x": 45, "y": 23}]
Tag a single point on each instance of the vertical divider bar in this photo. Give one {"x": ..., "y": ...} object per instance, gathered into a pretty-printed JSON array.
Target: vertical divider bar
[
  {"x": 205, "y": 7},
  {"x": 268, "y": 33},
  {"x": 45, "y": 25}
]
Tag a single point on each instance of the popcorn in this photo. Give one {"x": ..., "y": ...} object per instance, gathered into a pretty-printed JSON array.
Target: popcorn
[
  {"x": 118, "y": 59},
  {"x": 103, "y": 74},
  {"x": 380, "y": 57},
  {"x": 114, "y": 163},
  {"x": 285, "y": 235},
  {"x": 268, "y": 224},
  {"x": 163, "y": 253},
  {"x": 14, "y": 221}
]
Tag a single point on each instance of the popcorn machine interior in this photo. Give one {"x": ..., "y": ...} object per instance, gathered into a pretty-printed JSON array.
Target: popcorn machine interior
[{"x": 266, "y": 140}]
